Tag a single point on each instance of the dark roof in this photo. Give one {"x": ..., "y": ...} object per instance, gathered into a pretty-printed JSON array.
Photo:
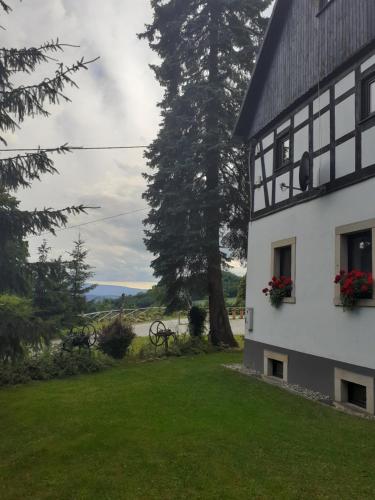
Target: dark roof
[
  {"x": 303, "y": 47},
  {"x": 260, "y": 70}
]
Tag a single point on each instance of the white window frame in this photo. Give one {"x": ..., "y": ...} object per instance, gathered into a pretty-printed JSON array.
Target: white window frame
[
  {"x": 341, "y": 255},
  {"x": 268, "y": 356},
  {"x": 341, "y": 396},
  {"x": 275, "y": 264}
]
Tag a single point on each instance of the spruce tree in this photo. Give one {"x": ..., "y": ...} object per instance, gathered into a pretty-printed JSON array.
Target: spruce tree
[
  {"x": 80, "y": 272},
  {"x": 51, "y": 295},
  {"x": 198, "y": 189},
  {"x": 17, "y": 102}
]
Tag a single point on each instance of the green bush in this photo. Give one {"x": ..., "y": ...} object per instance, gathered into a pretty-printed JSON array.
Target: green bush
[
  {"x": 197, "y": 319},
  {"x": 20, "y": 329},
  {"x": 182, "y": 347},
  {"x": 116, "y": 338},
  {"x": 50, "y": 365}
]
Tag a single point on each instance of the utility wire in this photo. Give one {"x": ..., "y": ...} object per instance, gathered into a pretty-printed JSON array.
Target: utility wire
[
  {"x": 76, "y": 148},
  {"x": 90, "y": 222},
  {"x": 89, "y": 148}
]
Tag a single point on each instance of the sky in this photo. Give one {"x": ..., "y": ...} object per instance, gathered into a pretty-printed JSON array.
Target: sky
[{"x": 115, "y": 105}]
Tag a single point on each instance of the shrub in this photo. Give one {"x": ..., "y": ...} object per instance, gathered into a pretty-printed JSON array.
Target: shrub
[
  {"x": 182, "y": 347},
  {"x": 116, "y": 338},
  {"x": 197, "y": 319},
  {"x": 50, "y": 365},
  {"x": 20, "y": 329}
]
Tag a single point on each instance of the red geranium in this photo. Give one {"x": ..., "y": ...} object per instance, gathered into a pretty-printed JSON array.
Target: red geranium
[
  {"x": 279, "y": 288},
  {"x": 354, "y": 285}
]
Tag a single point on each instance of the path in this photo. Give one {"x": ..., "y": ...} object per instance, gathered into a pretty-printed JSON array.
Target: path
[{"x": 141, "y": 329}]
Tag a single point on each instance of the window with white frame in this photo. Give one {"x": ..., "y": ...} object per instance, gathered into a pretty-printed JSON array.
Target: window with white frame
[
  {"x": 283, "y": 263},
  {"x": 355, "y": 250}
]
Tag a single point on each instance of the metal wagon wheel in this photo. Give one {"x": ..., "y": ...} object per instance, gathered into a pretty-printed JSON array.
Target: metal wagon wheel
[
  {"x": 66, "y": 344},
  {"x": 90, "y": 332},
  {"x": 156, "y": 333}
]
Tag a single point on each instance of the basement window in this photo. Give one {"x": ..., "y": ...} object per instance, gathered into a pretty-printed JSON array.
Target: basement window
[
  {"x": 277, "y": 368},
  {"x": 356, "y": 394},
  {"x": 354, "y": 388},
  {"x": 276, "y": 365}
]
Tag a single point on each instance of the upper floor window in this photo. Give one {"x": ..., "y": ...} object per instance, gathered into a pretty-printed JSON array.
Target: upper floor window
[
  {"x": 283, "y": 150},
  {"x": 368, "y": 96}
]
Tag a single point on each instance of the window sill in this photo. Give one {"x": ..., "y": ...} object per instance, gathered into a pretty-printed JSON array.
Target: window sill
[
  {"x": 366, "y": 119},
  {"x": 289, "y": 300},
  {"x": 360, "y": 303}
]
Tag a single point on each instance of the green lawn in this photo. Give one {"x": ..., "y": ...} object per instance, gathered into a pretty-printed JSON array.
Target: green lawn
[{"x": 175, "y": 429}]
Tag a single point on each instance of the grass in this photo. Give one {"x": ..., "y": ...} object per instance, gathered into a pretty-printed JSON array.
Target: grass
[{"x": 176, "y": 429}]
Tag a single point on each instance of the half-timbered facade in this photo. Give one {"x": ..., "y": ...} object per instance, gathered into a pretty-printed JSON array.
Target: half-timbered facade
[{"x": 309, "y": 118}]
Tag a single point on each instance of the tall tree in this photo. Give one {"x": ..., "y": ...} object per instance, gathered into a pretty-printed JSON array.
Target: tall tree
[
  {"x": 19, "y": 171},
  {"x": 15, "y": 276},
  {"x": 207, "y": 50},
  {"x": 80, "y": 272},
  {"x": 51, "y": 295}
]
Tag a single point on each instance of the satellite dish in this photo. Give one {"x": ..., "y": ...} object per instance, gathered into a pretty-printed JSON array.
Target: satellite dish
[{"x": 304, "y": 171}]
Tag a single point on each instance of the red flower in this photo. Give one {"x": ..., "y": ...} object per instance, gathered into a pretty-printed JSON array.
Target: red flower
[
  {"x": 265, "y": 290},
  {"x": 364, "y": 288}
]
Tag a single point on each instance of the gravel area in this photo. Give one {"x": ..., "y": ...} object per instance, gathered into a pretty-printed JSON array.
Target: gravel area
[{"x": 294, "y": 388}]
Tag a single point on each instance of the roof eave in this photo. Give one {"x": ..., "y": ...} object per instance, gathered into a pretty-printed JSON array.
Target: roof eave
[{"x": 242, "y": 126}]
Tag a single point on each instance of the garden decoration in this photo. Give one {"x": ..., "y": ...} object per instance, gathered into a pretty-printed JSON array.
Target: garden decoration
[
  {"x": 279, "y": 289},
  {"x": 354, "y": 285},
  {"x": 82, "y": 337},
  {"x": 159, "y": 335}
]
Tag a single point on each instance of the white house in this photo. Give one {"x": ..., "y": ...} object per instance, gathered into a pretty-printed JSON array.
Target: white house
[{"x": 309, "y": 117}]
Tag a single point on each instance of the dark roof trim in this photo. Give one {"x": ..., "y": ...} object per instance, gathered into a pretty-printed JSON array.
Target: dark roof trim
[{"x": 261, "y": 68}]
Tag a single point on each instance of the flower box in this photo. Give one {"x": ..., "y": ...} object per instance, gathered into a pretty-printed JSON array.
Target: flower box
[
  {"x": 278, "y": 290},
  {"x": 354, "y": 285}
]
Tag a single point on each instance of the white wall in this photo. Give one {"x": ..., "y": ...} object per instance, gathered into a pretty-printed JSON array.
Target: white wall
[{"x": 313, "y": 325}]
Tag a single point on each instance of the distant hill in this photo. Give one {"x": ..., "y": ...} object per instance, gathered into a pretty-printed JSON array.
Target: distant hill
[{"x": 111, "y": 292}]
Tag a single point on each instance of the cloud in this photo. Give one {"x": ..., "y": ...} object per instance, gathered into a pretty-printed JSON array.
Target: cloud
[{"x": 114, "y": 105}]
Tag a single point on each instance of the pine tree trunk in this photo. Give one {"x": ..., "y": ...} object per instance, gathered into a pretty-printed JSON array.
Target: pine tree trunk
[{"x": 220, "y": 329}]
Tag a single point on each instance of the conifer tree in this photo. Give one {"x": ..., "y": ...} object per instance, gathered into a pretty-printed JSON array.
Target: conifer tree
[
  {"x": 79, "y": 274},
  {"x": 51, "y": 295},
  {"x": 197, "y": 189},
  {"x": 19, "y": 171}
]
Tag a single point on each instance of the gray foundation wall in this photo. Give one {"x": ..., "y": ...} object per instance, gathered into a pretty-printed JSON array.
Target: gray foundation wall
[{"x": 306, "y": 370}]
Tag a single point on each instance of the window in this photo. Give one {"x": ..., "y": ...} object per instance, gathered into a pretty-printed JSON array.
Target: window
[
  {"x": 368, "y": 96},
  {"x": 354, "y": 388},
  {"x": 283, "y": 151},
  {"x": 355, "y": 250},
  {"x": 277, "y": 368},
  {"x": 359, "y": 251},
  {"x": 356, "y": 394},
  {"x": 283, "y": 262},
  {"x": 275, "y": 365}
]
